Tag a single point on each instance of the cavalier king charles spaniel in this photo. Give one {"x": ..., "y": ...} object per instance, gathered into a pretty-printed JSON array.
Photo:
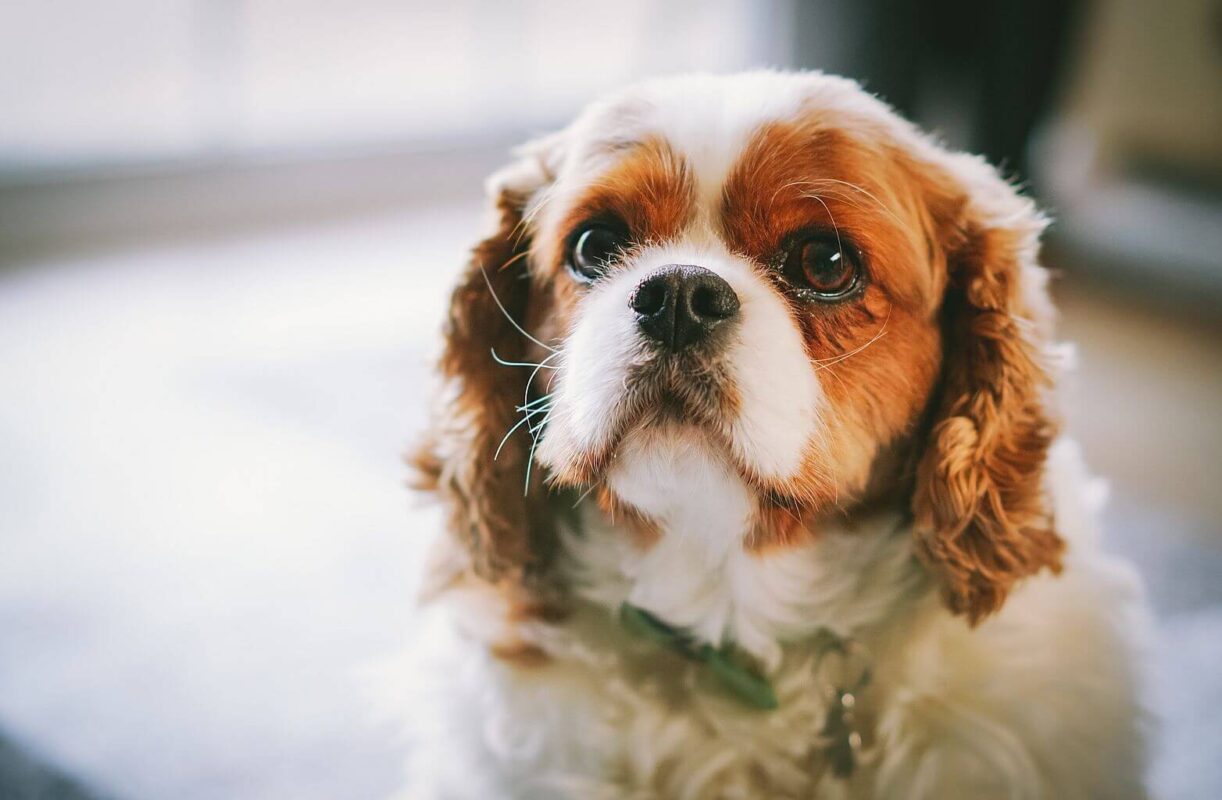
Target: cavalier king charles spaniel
[{"x": 753, "y": 486}]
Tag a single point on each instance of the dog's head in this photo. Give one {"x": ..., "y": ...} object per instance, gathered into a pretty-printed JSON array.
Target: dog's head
[{"x": 770, "y": 293}]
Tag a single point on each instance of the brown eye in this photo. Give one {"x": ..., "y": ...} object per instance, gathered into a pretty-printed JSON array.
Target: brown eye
[
  {"x": 823, "y": 267},
  {"x": 593, "y": 247}
]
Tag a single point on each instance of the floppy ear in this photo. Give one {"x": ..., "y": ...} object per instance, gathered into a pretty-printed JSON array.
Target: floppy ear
[
  {"x": 983, "y": 518},
  {"x": 502, "y": 524}
]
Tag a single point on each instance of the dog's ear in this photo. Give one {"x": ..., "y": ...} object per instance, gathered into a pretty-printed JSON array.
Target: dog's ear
[
  {"x": 502, "y": 523},
  {"x": 983, "y": 519}
]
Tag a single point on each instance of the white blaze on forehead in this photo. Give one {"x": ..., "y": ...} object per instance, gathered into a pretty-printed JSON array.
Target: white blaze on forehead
[{"x": 709, "y": 120}]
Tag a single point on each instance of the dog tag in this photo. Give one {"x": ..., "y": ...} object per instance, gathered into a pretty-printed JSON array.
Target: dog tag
[{"x": 843, "y": 670}]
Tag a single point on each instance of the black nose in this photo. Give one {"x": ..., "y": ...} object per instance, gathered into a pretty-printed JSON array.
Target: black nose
[{"x": 680, "y": 305}]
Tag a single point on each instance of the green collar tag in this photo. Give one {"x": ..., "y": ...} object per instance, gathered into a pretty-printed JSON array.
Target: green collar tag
[{"x": 725, "y": 663}]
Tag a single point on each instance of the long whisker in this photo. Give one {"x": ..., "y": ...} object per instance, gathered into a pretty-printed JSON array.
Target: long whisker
[
  {"x": 525, "y": 419},
  {"x": 527, "y": 414},
  {"x": 536, "y": 401},
  {"x": 835, "y": 227},
  {"x": 868, "y": 194},
  {"x": 530, "y": 459},
  {"x": 586, "y": 493},
  {"x": 512, "y": 321},
  {"x": 830, "y": 362},
  {"x": 541, "y": 365},
  {"x": 514, "y": 260}
]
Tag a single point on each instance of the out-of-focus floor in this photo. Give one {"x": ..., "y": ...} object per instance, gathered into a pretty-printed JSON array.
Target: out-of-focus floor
[{"x": 205, "y": 540}]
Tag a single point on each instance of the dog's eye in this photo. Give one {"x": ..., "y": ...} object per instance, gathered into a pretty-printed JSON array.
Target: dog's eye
[
  {"x": 823, "y": 267},
  {"x": 592, "y": 248}
]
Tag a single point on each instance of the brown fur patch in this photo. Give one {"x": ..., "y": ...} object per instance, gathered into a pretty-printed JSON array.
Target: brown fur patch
[
  {"x": 922, "y": 223},
  {"x": 644, "y": 531},
  {"x": 520, "y": 654},
  {"x": 508, "y": 532},
  {"x": 877, "y": 356},
  {"x": 649, "y": 188},
  {"x": 778, "y": 527},
  {"x": 983, "y": 517}
]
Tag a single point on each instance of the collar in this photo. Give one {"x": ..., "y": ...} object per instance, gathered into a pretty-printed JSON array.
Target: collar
[
  {"x": 725, "y": 663},
  {"x": 842, "y": 671}
]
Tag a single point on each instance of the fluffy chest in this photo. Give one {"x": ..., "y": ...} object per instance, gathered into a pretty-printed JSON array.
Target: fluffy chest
[
  {"x": 846, "y": 579},
  {"x": 609, "y": 711}
]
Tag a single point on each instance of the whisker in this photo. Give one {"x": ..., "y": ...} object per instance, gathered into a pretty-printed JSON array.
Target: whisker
[
  {"x": 505, "y": 363},
  {"x": 536, "y": 401},
  {"x": 525, "y": 419},
  {"x": 514, "y": 260},
  {"x": 586, "y": 493},
  {"x": 831, "y": 362},
  {"x": 505, "y": 438},
  {"x": 530, "y": 459},
  {"x": 857, "y": 188},
  {"x": 835, "y": 227},
  {"x": 512, "y": 321},
  {"x": 541, "y": 365}
]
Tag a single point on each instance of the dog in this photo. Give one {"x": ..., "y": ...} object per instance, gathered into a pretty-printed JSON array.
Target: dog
[{"x": 747, "y": 443}]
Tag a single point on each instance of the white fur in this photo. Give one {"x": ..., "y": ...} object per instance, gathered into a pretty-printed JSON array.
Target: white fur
[
  {"x": 592, "y": 370},
  {"x": 708, "y": 120},
  {"x": 778, "y": 419},
  {"x": 660, "y": 472}
]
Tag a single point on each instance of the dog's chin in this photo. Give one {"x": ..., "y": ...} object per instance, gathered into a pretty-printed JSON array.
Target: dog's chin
[
  {"x": 657, "y": 401},
  {"x": 679, "y": 475},
  {"x": 664, "y": 428}
]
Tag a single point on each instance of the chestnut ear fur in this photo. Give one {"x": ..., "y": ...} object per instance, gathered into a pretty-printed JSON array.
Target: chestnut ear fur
[
  {"x": 504, "y": 526},
  {"x": 983, "y": 519}
]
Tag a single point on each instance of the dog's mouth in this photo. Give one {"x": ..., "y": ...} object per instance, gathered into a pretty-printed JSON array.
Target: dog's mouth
[
  {"x": 656, "y": 394},
  {"x": 690, "y": 403},
  {"x": 690, "y": 392}
]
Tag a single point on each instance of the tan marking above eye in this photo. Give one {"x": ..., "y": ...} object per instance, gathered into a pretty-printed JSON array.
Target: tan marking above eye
[{"x": 650, "y": 189}]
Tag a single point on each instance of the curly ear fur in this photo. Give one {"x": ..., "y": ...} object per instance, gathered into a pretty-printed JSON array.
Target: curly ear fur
[
  {"x": 504, "y": 526},
  {"x": 983, "y": 520}
]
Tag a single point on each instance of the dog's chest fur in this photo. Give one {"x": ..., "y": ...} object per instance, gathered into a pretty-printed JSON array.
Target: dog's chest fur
[{"x": 952, "y": 711}]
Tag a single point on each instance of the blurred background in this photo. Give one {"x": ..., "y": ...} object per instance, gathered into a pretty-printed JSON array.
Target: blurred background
[{"x": 226, "y": 229}]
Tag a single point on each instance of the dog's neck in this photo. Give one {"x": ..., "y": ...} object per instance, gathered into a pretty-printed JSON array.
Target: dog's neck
[{"x": 698, "y": 572}]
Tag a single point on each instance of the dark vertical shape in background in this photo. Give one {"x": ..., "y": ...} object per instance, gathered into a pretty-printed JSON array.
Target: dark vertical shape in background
[{"x": 997, "y": 64}]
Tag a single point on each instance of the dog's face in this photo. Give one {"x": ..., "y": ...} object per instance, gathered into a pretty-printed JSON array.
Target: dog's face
[
  {"x": 755, "y": 300},
  {"x": 748, "y": 283}
]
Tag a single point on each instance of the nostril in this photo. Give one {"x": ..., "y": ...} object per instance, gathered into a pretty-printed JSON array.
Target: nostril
[
  {"x": 649, "y": 298},
  {"x": 714, "y": 301},
  {"x": 680, "y": 305}
]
